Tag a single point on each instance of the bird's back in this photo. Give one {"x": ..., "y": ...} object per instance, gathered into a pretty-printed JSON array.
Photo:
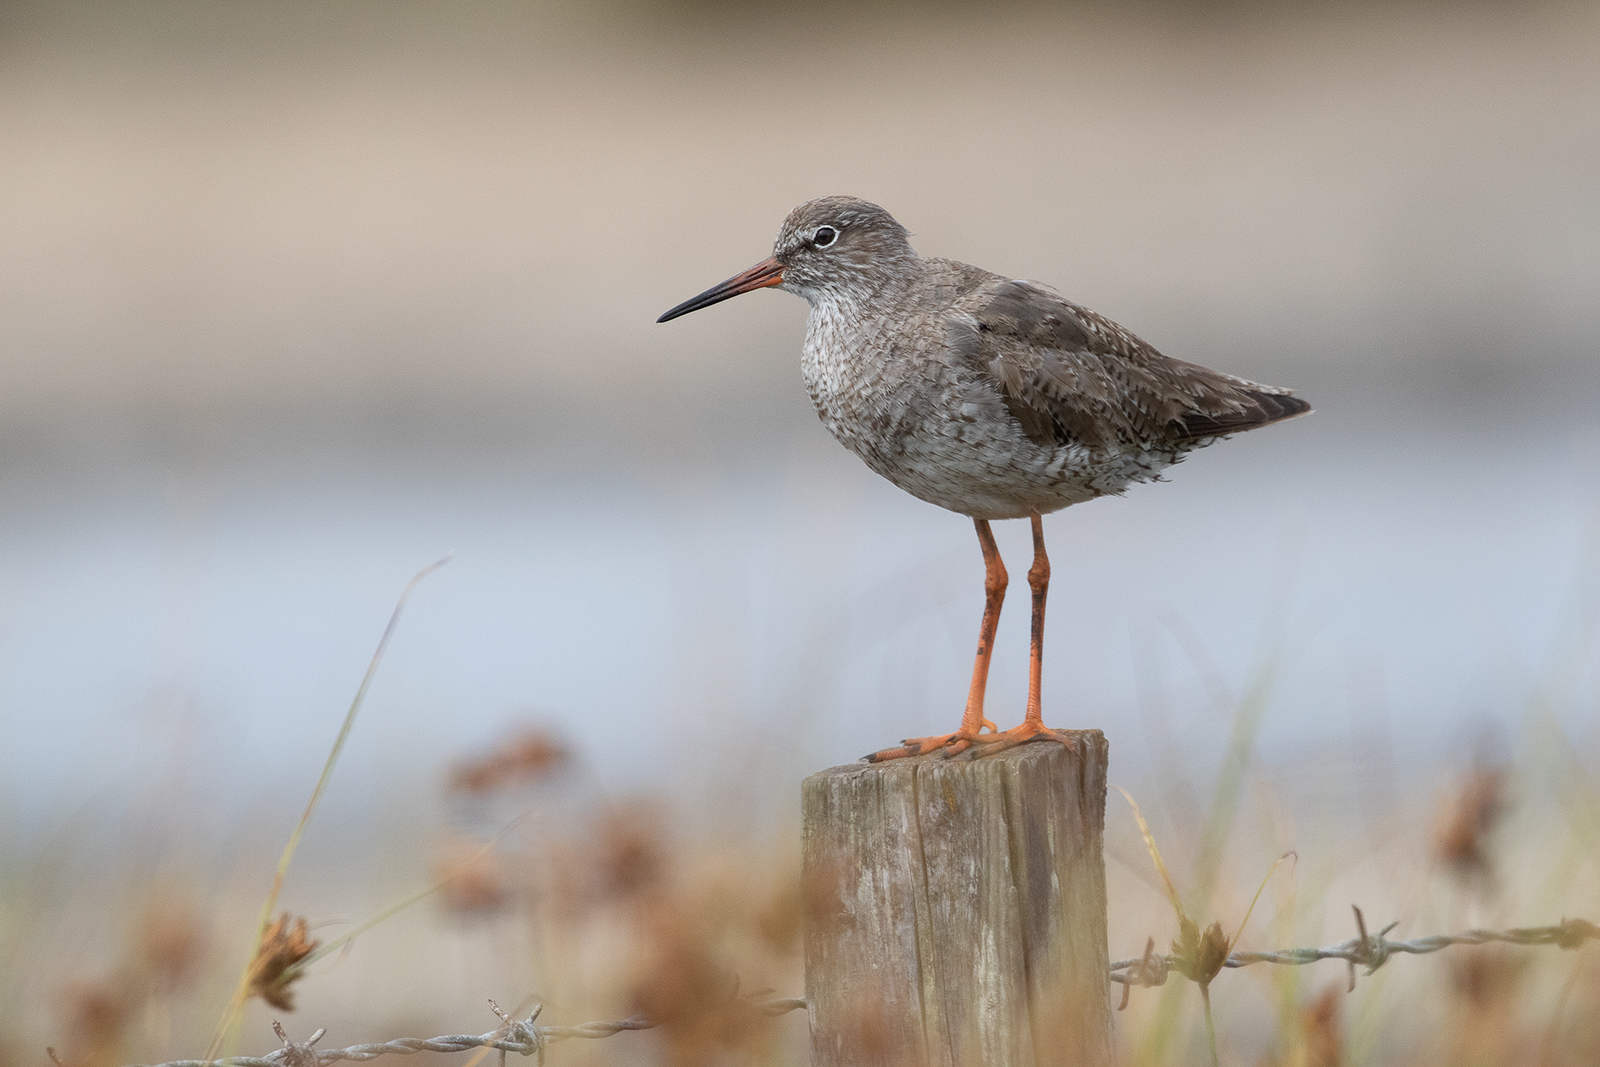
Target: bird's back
[
  {"x": 1069, "y": 375},
  {"x": 997, "y": 397}
]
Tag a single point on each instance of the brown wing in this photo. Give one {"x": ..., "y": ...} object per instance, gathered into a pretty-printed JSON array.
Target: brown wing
[{"x": 1070, "y": 375}]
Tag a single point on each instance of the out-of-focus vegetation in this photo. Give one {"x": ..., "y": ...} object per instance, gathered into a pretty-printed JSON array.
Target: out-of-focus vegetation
[
  {"x": 242, "y": 246},
  {"x": 598, "y": 906}
]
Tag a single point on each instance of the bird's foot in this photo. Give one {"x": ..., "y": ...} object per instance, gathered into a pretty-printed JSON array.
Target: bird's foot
[
  {"x": 946, "y": 744},
  {"x": 989, "y": 744}
]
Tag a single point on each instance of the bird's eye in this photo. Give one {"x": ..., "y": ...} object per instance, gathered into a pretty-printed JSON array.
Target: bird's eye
[{"x": 824, "y": 236}]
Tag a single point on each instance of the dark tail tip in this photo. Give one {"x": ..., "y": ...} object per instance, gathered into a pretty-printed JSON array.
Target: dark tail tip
[
  {"x": 1264, "y": 410},
  {"x": 1283, "y": 405}
]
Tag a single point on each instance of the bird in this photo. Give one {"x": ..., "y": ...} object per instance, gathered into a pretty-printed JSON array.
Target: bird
[{"x": 990, "y": 396}]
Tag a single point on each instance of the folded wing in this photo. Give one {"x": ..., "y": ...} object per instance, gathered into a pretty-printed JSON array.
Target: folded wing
[{"x": 1069, "y": 375}]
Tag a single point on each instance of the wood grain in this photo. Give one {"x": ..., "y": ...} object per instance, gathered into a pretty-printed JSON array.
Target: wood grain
[{"x": 956, "y": 910}]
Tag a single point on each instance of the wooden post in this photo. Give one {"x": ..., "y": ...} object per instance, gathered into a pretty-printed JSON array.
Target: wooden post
[{"x": 957, "y": 910}]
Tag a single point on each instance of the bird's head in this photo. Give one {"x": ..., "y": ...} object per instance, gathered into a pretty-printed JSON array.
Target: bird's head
[{"x": 833, "y": 247}]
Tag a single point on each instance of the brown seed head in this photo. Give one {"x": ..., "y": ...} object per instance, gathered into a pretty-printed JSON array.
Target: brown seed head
[
  {"x": 686, "y": 986},
  {"x": 1486, "y": 981},
  {"x": 522, "y": 759},
  {"x": 1319, "y": 1029},
  {"x": 99, "y": 1012},
  {"x": 779, "y": 920},
  {"x": 1200, "y": 956},
  {"x": 1487, "y": 976},
  {"x": 474, "y": 879},
  {"x": 632, "y": 856},
  {"x": 171, "y": 942},
  {"x": 1465, "y": 820},
  {"x": 282, "y": 946}
]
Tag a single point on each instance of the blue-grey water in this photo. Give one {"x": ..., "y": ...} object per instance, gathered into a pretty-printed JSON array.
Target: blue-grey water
[{"x": 198, "y": 622}]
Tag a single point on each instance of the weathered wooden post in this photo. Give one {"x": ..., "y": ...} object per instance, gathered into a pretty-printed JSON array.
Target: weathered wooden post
[{"x": 957, "y": 910}]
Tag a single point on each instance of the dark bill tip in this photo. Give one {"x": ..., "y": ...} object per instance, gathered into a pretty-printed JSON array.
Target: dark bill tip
[{"x": 767, "y": 273}]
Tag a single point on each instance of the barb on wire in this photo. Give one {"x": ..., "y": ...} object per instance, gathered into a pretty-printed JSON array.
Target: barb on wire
[
  {"x": 1148, "y": 970},
  {"x": 298, "y": 1055},
  {"x": 1368, "y": 950},
  {"x": 524, "y": 1037}
]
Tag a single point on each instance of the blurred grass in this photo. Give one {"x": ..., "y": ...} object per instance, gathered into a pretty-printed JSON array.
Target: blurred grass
[
  {"x": 118, "y": 926},
  {"x": 227, "y": 1029},
  {"x": 600, "y": 905}
]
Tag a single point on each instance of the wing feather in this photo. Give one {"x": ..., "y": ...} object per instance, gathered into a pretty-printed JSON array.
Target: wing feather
[{"x": 1069, "y": 375}]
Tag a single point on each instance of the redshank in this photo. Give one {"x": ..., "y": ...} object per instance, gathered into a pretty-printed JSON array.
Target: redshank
[{"x": 990, "y": 396}]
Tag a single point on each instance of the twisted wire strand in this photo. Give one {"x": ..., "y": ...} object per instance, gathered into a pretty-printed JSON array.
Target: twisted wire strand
[
  {"x": 525, "y": 1038},
  {"x": 1369, "y": 951}
]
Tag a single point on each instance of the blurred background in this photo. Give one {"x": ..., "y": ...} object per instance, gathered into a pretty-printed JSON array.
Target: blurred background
[{"x": 296, "y": 298}]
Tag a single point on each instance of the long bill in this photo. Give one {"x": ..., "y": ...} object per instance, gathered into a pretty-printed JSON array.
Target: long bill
[{"x": 767, "y": 273}]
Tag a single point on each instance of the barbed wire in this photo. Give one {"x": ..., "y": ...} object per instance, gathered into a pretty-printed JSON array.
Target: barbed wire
[
  {"x": 522, "y": 1036},
  {"x": 526, "y": 1037},
  {"x": 1368, "y": 950}
]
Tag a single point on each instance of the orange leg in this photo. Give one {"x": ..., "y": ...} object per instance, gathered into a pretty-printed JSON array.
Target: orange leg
[
  {"x": 1033, "y": 722},
  {"x": 972, "y": 720}
]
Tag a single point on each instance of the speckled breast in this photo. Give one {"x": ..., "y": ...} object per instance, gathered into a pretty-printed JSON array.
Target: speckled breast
[{"x": 941, "y": 431}]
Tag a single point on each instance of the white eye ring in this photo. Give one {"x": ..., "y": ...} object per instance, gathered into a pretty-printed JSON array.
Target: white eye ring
[{"x": 824, "y": 236}]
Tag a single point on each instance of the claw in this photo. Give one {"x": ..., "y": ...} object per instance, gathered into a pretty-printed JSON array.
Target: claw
[
  {"x": 964, "y": 744},
  {"x": 948, "y": 744}
]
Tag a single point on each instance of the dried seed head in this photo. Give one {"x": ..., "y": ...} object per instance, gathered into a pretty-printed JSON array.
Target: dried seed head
[
  {"x": 632, "y": 858},
  {"x": 686, "y": 986},
  {"x": 1487, "y": 977},
  {"x": 1465, "y": 819},
  {"x": 1214, "y": 949},
  {"x": 171, "y": 942},
  {"x": 1319, "y": 1029},
  {"x": 521, "y": 759},
  {"x": 1487, "y": 982},
  {"x": 1200, "y": 955},
  {"x": 282, "y": 946},
  {"x": 99, "y": 1012},
  {"x": 475, "y": 879},
  {"x": 779, "y": 920}
]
